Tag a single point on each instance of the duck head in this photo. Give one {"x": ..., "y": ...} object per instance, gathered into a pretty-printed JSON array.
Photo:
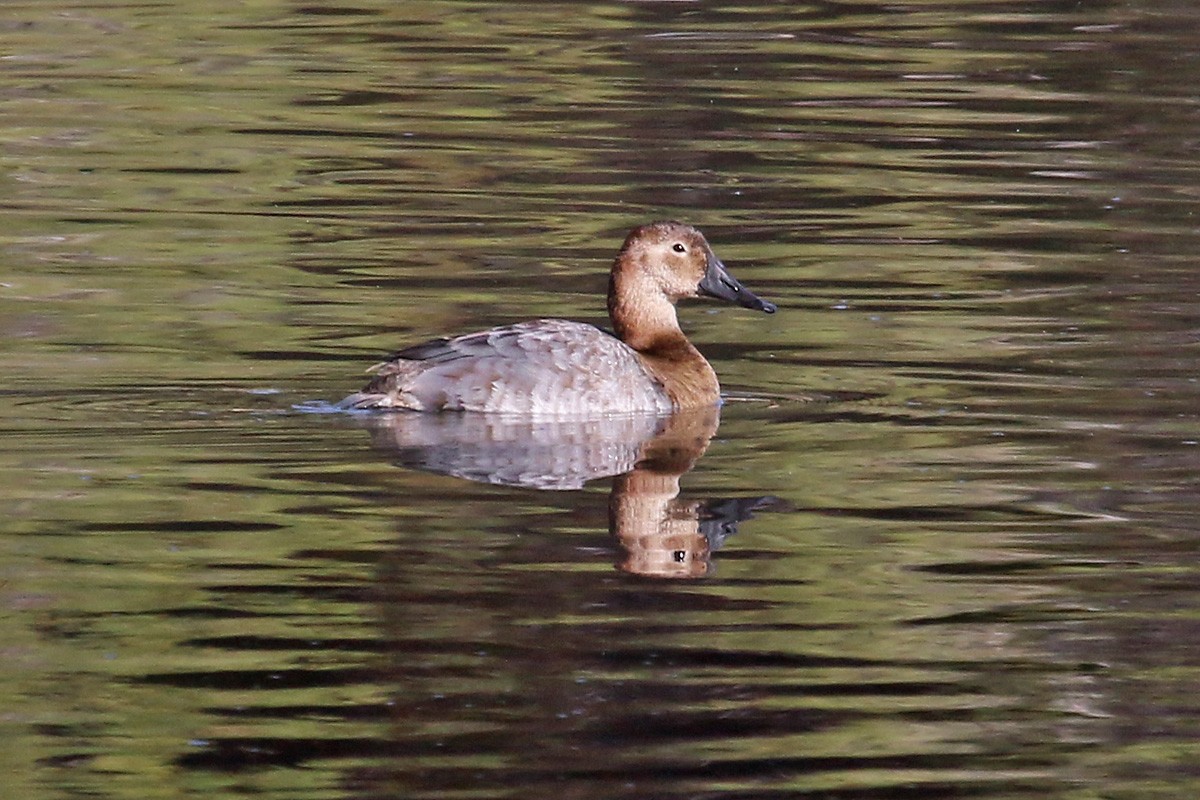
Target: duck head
[{"x": 682, "y": 264}]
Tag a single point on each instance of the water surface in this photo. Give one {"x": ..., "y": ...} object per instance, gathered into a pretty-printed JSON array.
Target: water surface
[{"x": 940, "y": 543}]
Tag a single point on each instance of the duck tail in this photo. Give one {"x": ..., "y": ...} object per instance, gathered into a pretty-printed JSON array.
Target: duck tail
[{"x": 365, "y": 401}]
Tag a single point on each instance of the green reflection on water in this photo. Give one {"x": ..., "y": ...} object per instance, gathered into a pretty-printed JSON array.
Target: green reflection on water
[{"x": 978, "y": 221}]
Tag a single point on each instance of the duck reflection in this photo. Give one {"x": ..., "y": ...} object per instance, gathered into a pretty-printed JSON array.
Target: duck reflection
[{"x": 659, "y": 534}]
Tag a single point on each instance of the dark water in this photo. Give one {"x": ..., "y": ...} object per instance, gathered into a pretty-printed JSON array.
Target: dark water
[{"x": 941, "y": 545}]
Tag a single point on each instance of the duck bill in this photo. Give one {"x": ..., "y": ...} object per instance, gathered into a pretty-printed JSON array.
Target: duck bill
[{"x": 718, "y": 283}]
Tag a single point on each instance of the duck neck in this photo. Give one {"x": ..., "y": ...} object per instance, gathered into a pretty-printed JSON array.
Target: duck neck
[
  {"x": 644, "y": 318},
  {"x": 641, "y": 314}
]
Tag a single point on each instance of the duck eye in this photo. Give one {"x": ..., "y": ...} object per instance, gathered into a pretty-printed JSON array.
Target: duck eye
[{"x": 678, "y": 248}]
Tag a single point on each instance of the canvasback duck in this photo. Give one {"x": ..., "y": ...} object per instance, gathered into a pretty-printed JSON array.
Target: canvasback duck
[{"x": 558, "y": 367}]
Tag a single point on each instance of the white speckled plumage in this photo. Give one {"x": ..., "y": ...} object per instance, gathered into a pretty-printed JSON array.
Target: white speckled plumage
[{"x": 557, "y": 367}]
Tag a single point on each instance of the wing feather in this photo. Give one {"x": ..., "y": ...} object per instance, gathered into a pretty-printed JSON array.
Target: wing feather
[{"x": 545, "y": 365}]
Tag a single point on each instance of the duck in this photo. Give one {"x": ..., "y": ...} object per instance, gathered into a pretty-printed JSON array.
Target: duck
[{"x": 558, "y": 367}]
